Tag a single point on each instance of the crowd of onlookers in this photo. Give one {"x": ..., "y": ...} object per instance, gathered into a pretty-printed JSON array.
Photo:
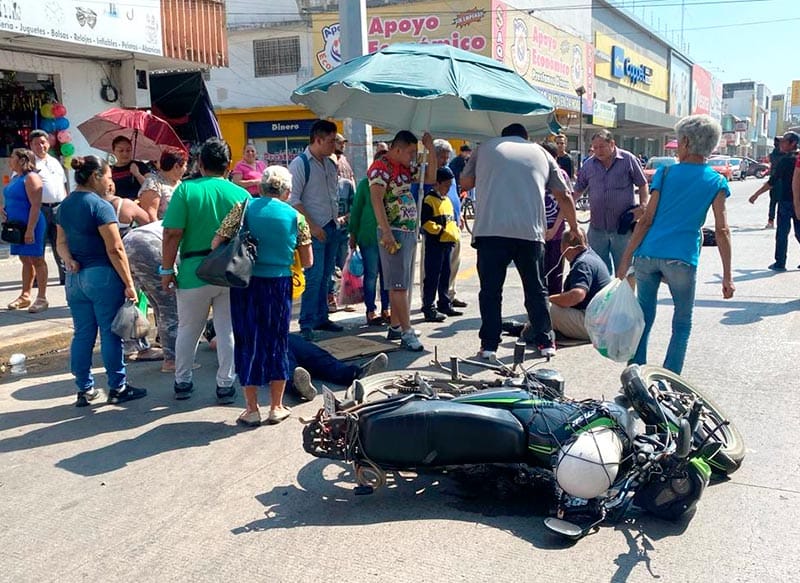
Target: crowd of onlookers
[{"x": 132, "y": 229}]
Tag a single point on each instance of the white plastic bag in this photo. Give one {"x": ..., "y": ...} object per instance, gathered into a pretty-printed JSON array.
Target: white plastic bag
[
  {"x": 615, "y": 321},
  {"x": 129, "y": 323}
]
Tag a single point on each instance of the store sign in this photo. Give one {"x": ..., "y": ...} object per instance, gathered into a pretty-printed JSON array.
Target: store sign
[
  {"x": 680, "y": 74},
  {"x": 741, "y": 126},
  {"x": 631, "y": 68},
  {"x": 701, "y": 90},
  {"x": 280, "y": 129},
  {"x": 553, "y": 61},
  {"x": 458, "y": 23},
  {"x": 621, "y": 66},
  {"x": 131, "y": 26},
  {"x": 605, "y": 114}
]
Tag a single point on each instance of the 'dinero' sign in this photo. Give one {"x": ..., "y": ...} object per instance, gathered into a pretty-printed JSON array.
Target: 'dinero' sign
[{"x": 622, "y": 67}]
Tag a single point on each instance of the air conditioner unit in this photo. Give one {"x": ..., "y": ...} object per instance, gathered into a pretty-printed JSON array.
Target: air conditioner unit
[{"x": 134, "y": 84}]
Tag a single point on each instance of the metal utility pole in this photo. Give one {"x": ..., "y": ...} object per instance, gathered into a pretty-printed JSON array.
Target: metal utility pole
[{"x": 353, "y": 43}]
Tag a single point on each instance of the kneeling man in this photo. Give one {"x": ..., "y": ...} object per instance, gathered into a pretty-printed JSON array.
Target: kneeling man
[{"x": 587, "y": 275}]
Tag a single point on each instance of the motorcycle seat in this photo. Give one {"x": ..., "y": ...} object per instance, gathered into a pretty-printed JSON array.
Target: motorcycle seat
[{"x": 433, "y": 433}]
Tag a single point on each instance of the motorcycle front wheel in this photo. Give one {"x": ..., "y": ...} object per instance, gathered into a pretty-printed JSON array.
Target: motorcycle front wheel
[{"x": 670, "y": 387}]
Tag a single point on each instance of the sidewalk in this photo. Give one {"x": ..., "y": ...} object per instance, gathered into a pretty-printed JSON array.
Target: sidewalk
[{"x": 32, "y": 334}]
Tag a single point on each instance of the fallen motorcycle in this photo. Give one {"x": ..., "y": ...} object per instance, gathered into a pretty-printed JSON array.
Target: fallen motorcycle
[{"x": 655, "y": 446}]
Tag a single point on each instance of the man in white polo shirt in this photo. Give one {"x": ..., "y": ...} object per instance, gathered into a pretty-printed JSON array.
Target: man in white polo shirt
[{"x": 54, "y": 189}]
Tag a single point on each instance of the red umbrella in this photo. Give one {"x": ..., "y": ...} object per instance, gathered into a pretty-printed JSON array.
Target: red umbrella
[
  {"x": 672, "y": 145},
  {"x": 148, "y": 134}
]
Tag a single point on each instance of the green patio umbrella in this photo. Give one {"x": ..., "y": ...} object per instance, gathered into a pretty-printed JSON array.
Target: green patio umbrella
[{"x": 428, "y": 87}]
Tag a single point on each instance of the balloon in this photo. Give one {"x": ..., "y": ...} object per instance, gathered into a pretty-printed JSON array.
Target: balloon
[
  {"x": 67, "y": 149},
  {"x": 67, "y": 161},
  {"x": 62, "y": 123},
  {"x": 49, "y": 125},
  {"x": 46, "y": 110},
  {"x": 51, "y": 139},
  {"x": 64, "y": 136},
  {"x": 59, "y": 110}
]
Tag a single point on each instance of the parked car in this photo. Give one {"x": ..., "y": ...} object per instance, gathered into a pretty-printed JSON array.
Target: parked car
[
  {"x": 723, "y": 166},
  {"x": 655, "y": 163}
]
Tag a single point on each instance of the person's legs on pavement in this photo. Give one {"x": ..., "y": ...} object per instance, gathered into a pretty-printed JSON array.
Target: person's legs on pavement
[
  {"x": 193, "y": 306},
  {"x": 84, "y": 335},
  {"x": 648, "y": 278},
  {"x": 600, "y": 242},
  {"x": 433, "y": 267},
  {"x": 569, "y": 322},
  {"x": 494, "y": 255},
  {"x": 51, "y": 232},
  {"x": 784, "y": 222},
  {"x": 328, "y": 258},
  {"x": 316, "y": 285},
  {"x": 443, "y": 303},
  {"x": 681, "y": 279},
  {"x": 455, "y": 267},
  {"x": 221, "y": 302},
  {"x": 528, "y": 256},
  {"x": 618, "y": 245}
]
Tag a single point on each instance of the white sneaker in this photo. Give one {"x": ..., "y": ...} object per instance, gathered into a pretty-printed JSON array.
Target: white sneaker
[
  {"x": 547, "y": 351},
  {"x": 409, "y": 341},
  {"x": 489, "y": 355}
]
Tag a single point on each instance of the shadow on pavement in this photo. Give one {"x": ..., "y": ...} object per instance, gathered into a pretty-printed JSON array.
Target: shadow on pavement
[
  {"x": 325, "y": 498},
  {"x": 166, "y": 437},
  {"x": 742, "y": 313}
]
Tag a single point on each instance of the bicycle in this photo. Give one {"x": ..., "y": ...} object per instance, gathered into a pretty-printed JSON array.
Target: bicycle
[
  {"x": 582, "y": 210},
  {"x": 468, "y": 213}
]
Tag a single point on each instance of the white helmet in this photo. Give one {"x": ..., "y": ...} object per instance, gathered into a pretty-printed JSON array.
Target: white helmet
[{"x": 588, "y": 464}]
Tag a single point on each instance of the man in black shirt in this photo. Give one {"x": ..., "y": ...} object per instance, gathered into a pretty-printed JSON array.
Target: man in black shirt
[
  {"x": 457, "y": 165},
  {"x": 563, "y": 158},
  {"x": 781, "y": 180},
  {"x": 587, "y": 275}
]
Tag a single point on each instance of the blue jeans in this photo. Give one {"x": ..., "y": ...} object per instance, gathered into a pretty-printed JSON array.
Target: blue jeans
[
  {"x": 609, "y": 245},
  {"x": 786, "y": 222},
  {"x": 94, "y": 295},
  {"x": 372, "y": 270},
  {"x": 320, "y": 364},
  {"x": 314, "y": 302},
  {"x": 681, "y": 279}
]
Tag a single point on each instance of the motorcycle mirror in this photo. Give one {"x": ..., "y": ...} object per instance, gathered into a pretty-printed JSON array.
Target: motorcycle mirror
[
  {"x": 519, "y": 352},
  {"x": 564, "y": 528},
  {"x": 684, "y": 439}
]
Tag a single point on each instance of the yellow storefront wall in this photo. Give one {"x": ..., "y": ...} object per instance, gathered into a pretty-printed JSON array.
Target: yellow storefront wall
[{"x": 233, "y": 122}]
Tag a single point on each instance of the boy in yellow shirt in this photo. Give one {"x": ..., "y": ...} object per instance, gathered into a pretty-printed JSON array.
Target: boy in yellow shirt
[{"x": 440, "y": 229}]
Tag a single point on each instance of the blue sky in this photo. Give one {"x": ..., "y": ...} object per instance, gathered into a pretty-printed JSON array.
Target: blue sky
[{"x": 726, "y": 38}]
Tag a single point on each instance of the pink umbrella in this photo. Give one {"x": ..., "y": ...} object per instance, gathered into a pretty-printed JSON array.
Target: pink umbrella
[
  {"x": 148, "y": 134},
  {"x": 671, "y": 145}
]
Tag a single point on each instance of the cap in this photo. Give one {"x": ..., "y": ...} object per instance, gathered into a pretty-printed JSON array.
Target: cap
[
  {"x": 340, "y": 138},
  {"x": 791, "y": 136},
  {"x": 465, "y": 148},
  {"x": 444, "y": 174}
]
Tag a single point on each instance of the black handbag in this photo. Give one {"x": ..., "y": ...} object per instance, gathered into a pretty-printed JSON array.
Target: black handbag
[
  {"x": 14, "y": 232},
  {"x": 231, "y": 264}
]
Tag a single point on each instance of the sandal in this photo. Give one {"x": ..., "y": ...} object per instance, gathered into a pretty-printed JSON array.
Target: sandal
[
  {"x": 20, "y": 303},
  {"x": 150, "y": 355},
  {"x": 40, "y": 305}
]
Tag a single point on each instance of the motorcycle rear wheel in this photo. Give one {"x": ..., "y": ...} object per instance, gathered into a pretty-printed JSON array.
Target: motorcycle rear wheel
[{"x": 730, "y": 456}]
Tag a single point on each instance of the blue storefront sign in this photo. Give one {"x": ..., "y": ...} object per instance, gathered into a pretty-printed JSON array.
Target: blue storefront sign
[
  {"x": 622, "y": 67},
  {"x": 290, "y": 128}
]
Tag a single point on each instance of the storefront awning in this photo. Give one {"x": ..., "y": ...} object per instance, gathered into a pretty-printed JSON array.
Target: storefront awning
[{"x": 640, "y": 118}]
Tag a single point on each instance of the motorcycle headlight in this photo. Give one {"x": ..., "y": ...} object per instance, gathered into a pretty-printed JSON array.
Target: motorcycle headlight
[{"x": 588, "y": 464}]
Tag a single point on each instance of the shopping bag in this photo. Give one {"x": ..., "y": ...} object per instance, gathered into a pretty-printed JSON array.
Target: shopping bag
[
  {"x": 298, "y": 278},
  {"x": 615, "y": 321},
  {"x": 351, "y": 290},
  {"x": 129, "y": 323},
  {"x": 356, "y": 263}
]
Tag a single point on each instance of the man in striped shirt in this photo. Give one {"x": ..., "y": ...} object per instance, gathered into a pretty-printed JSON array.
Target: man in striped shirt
[{"x": 611, "y": 175}]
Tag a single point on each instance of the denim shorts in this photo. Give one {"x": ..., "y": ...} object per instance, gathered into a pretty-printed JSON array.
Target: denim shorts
[{"x": 397, "y": 267}]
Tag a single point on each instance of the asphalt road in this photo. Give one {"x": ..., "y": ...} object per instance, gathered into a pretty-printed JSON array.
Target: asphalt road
[{"x": 161, "y": 490}]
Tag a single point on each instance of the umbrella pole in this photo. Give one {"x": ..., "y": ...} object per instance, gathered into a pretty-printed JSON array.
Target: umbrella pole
[
  {"x": 420, "y": 195},
  {"x": 135, "y": 139}
]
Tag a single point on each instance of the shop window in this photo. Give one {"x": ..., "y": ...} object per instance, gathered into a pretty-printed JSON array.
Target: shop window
[{"x": 276, "y": 56}]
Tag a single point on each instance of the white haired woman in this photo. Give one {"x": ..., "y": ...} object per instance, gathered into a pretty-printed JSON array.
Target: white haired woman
[
  {"x": 665, "y": 245},
  {"x": 260, "y": 313}
]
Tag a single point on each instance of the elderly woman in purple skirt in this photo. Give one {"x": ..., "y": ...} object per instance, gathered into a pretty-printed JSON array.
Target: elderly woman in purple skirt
[{"x": 260, "y": 313}]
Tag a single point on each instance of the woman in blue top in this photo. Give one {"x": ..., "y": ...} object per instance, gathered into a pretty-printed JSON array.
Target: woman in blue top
[
  {"x": 666, "y": 241},
  {"x": 98, "y": 279},
  {"x": 260, "y": 313},
  {"x": 23, "y": 203}
]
